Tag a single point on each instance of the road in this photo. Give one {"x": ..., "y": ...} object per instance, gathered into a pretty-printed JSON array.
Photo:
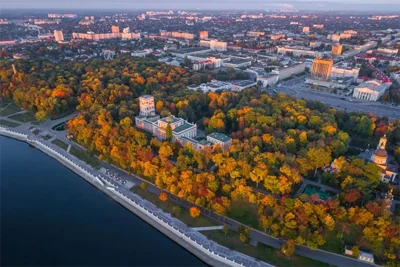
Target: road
[
  {"x": 297, "y": 88},
  {"x": 256, "y": 236},
  {"x": 109, "y": 183}
]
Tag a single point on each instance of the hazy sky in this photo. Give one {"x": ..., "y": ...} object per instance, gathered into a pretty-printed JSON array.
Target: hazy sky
[{"x": 388, "y": 5}]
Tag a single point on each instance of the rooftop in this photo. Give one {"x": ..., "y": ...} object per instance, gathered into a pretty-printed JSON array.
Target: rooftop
[
  {"x": 242, "y": 82},
  {"x": 373, "y": 85},
  {"x": 170, "y": 119},
  {"x": 238, "y": 60},
  {"x": 189, "y": 50},
  {"x": 183, "y": 127},
  {"x": 219, "y": 136},
  {"x": 146, "y": 96}
]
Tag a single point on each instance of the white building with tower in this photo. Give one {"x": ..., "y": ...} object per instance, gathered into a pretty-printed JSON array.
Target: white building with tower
[
  {"x": 380, "y": 158},
  {"x": 183, "y": 131}
]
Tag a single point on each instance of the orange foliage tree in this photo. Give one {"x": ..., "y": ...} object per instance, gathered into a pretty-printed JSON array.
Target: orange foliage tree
[
  {"x": 194, "y": 212},
  {"x": 163, "y": 196}
]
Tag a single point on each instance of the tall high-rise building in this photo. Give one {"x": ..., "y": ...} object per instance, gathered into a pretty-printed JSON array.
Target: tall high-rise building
[
  {"x": 204, "y": 35},
  {"x": 337, "y": 49},
  {"x": 114, "y": 29},
  {"x": 321, "y": 68},
  {"x": 58, "y": 35}
]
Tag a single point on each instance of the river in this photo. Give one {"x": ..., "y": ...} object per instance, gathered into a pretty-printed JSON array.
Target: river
[{"x": 51, "y": 217}]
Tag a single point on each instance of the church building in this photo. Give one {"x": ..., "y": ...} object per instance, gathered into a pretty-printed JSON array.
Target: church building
[{"x": 380, "y": 158}]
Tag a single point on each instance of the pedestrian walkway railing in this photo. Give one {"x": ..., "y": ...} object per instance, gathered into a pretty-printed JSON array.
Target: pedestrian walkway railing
[{"x": 212, "y": 249}]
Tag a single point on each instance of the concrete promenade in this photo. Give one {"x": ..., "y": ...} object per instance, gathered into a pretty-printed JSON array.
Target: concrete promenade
[
  {"x": 207, "y": 250},
  {"x": 256, "y": 235}
]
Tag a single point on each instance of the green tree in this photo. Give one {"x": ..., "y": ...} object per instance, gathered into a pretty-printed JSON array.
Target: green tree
[
  {"x": 176, "y": 210},
  {"x": 168, "y": 133}
]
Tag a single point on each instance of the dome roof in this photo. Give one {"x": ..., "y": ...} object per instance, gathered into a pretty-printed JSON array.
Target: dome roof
[{"x": 381, "y": 153}]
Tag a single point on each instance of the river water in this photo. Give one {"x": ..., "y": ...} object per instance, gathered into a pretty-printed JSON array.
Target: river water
[{"x": 52, "y": 217}]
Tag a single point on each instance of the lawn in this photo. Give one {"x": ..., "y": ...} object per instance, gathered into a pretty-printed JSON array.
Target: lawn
[
  {"x": 23, "y": 117},
  {"x": 167, "y": 206},
  {"x": 244, "y": 212},
  {"x": 333, "y": 243},
  {"x": 261, "y": 252},
  {"x": 4, "y": 103},
  {"x": 9, "y": 123},
  {"x": 47, "y": 137},
  {"x": 82, "y": 155},
  {"x": 60, "y": 144},
  {"x": 10, "y": 109},
  {"x": 363, "y": 143}
]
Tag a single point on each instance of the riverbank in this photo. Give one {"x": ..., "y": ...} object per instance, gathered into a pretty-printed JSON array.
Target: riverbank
[{"x": 208, "y": 251}]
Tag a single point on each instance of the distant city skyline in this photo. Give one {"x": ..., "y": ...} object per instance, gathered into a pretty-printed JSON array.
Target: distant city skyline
[{"x": 362, "y": 5}]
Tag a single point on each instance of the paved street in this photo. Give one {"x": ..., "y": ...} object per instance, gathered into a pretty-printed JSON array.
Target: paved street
[
  {"x": 297, "y": 88},
  {"x": 258, "y": 236},
  {"x": 117, "y": 185},
  {"x": 125, "y": 179}
]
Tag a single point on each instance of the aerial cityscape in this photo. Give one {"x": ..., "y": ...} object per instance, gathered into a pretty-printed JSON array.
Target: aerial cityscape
[{"x": 212, "y": 133}]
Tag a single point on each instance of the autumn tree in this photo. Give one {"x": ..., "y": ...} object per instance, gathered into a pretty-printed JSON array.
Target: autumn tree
[
  {"x": 288, "y": 248},
  {"x": 144, "y": 185},
  {"x": 194, "y": 211},
  {"x": 225, "y": 229},
  {"x": 356, "y": 251},
  {"x": 318, "y": 158},
  {"x": 163, "y": 196},
  {"x": 244, "y": 234},
  {"x": 352, "y": 195}
]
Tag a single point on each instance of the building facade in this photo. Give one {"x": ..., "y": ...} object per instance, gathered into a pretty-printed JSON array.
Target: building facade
[
  {"x": 203, "y": 35},
  {"x": 370, "y": 90},
  {"x": 218, "y": 46},
  {"x": 337, "y": 49},
  {"x": 58, "y": 36},
  {"x": 289, "y": 71},
  {"x": 182, "y": 131},
  {"x": 380, "y": 158},
  {"x": 114, "y": 29},
  {"x": 219, "y": 139},
  {"x": 321, "y": 68},
  {"x": 300, "y": 51},
  {"x": 342, "y": 71}
]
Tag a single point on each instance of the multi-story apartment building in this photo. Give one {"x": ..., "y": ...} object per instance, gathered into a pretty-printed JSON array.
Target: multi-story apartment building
[
  {"x": 337, "y": 49},
  {"x": 114, "y": 29},
  {"x": 203, "y": 35},
  {"x": 58, "y": 36},
  {"x": 321, "y": 68}
]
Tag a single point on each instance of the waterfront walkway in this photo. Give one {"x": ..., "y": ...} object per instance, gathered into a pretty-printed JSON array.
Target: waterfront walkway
[
  {"x": 209, "y": 228},
  {"x": 214, "y": 250},
  {"x": 256, "y": 236}
]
